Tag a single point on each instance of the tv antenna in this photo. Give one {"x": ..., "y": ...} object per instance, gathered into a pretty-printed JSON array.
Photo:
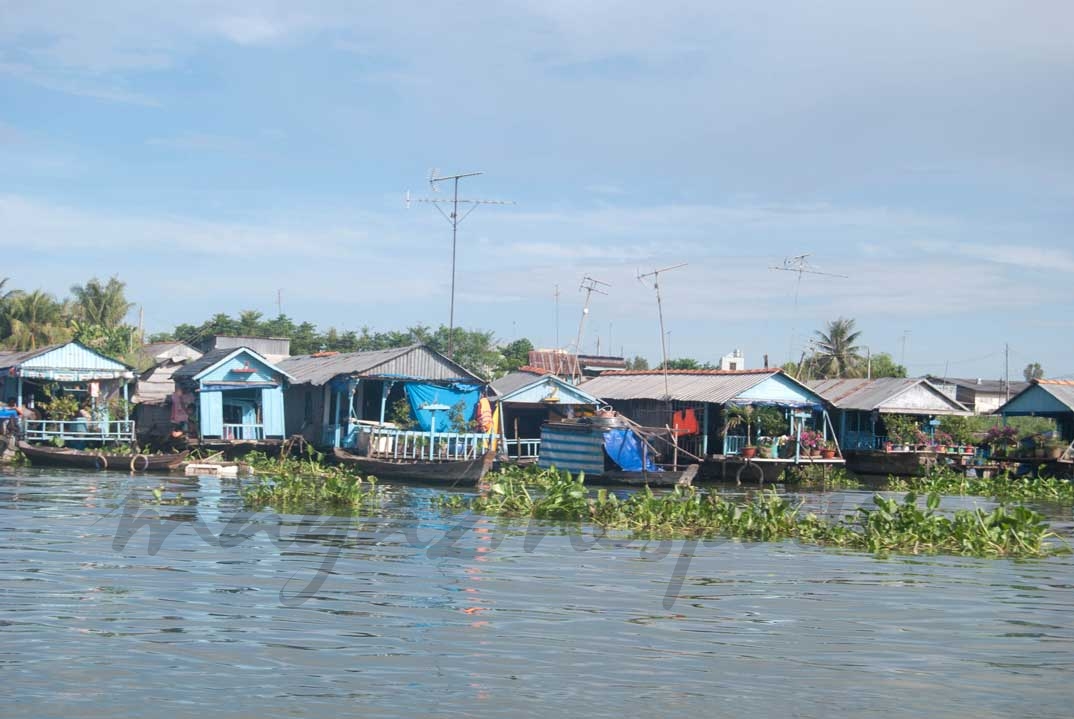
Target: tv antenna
[
  {"x": 454, "y": 220},
  {"x": 799, "y": 264},
  {"x": 655, "y": 274},
  {"x": 588, "y": 285}
]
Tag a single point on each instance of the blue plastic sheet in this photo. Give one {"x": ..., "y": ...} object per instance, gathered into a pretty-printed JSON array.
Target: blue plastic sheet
[
  {"x": 625, "y": 449},
  {"x": 419, "y": 395}
]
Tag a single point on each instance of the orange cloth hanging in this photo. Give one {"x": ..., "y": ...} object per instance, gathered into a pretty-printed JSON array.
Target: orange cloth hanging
[
  {"x": 685, "y": 421},
  {"x": 484, "y": 414}
]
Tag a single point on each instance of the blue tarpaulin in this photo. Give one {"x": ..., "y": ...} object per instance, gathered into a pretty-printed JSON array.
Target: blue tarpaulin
[
  {"x": 419, "y": 395},
  {"x": 625, "y": 449}
]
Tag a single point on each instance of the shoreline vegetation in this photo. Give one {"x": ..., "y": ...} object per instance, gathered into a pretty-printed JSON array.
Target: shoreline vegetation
[{"x": 889, "y": 526}]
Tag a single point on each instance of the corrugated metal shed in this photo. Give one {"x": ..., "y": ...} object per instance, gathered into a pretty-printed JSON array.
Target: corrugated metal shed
[
  {"x": 414, "y": 362},
  {"x": 156, "y": 385},
  {"x": 1029, "y": 400},
  {"x": 879, "y": 394},
  {"x": 548, "y": 389},
  {"x": 157, "y": 352},
  {"x": 987, "y": 386},
  {"x": 715, "y": 386}
]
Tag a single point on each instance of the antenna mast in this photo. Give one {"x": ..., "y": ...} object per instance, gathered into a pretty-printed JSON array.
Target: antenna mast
[
  {"x": 589, "y": 286},
  {"x": 655, "y": 274},
  {"x": 799, "y": 264},
  {"x": 453, "y": 219}
]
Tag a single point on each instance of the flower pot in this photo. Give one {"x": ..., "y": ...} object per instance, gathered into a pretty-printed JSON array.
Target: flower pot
[
  {"x": 827, "y": 454},
  {"x": 888, "y": 446},
  {"x": 942, "y": 448},
  {"x": 749, "y": 452}
]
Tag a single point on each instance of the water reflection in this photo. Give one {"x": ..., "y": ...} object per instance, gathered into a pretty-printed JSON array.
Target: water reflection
[{"x": 501, "y": 620}]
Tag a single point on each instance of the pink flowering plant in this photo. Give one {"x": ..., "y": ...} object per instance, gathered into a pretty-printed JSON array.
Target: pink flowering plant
[
  {"x": 810, "y": 439},
  {"x": 943, "y": 438}
]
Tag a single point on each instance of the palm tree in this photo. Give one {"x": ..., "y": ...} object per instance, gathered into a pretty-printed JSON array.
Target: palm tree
[
  {"x": 836, "y": 354},
  {"x": 101, "y": 304},
  {"x": 35, "y": 319}
]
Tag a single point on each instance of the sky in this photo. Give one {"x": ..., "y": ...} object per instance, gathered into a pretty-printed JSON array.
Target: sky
[{"x": 219, "y": 157}]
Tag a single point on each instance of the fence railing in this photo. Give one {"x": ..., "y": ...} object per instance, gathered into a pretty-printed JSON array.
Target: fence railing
[
  {"x": 78, "y": 430},
  {"x": 387, "y": 443},
  {"x": 244, "y": 431},
  {"x": 522, "y": 448}
]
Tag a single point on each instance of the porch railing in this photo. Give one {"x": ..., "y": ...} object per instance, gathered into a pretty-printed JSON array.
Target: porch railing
[
  {"x": 244, "y": 431},
  {"x": 78, "y": 430},
  {"x": 418, "y": 445},
  {"x": 522, "y": 448}
]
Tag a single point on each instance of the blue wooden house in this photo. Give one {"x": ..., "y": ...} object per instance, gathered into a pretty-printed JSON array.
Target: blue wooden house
[
  {"x": 860, "y": 406},
  {"x": 234, "y": 394},
  {"x": 30, "y": 378}
]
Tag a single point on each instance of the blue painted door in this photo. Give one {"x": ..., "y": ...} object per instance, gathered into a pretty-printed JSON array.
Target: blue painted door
[
  {"x": 272, "y": 411},
  {"x": 211, "y": 414}
]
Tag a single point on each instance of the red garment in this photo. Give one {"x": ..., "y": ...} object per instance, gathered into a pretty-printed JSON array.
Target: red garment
[{"x": 685, "y": 421}]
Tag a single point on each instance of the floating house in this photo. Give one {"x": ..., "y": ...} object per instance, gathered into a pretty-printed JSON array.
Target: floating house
[
  {"x": 236, "y": 394},
  {"x": 335, "y": 399},
  {"x": 1052, "y": 398},
  {"x": 860, "y": 406},
  {"x": 531, "y": 397},
  {"x": 693, "y": 401},
  {"x": 73, "y": 370}
]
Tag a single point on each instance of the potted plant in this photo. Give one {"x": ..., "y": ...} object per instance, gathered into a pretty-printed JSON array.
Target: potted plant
[
  {"x": 749, "y": 451},
  {"x": 828, "y": 450},
  {"x": 733, "y": 417},
  {"x": 811, "y": 442}
]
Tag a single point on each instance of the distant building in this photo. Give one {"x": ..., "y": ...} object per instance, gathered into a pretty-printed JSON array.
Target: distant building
[
  {"x": 274, "y": 349},
  {"x": 983, "y": 396},
  {"x": 567, "y": 365},
  {"x": 733, "y": 361}
]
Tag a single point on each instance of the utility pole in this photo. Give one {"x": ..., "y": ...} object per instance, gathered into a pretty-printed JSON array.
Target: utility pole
[
  {"x": 589, "y": 286},
  {"x": 868, "y": 363},
  {"x": 905, "y": 335},
  {"x": 1007, "y": 370},
  {"x": 279, "y": 302},
  {"x": 454, "y": 220},
  {"x": 555, "y": 294},
  {"x": 655, "y": 274},
  {"x": 800, "y": 265}
]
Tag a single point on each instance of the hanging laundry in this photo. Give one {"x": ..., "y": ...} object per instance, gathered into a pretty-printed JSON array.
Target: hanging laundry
[{"x": 685, "y": 421}]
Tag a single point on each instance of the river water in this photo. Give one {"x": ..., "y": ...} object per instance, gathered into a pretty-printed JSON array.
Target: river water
[{"x": 416, "y": 613}]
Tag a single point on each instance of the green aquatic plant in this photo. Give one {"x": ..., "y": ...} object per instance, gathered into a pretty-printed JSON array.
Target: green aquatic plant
[
  {"x": 1004, "y": 486},
  {"x": 288, "y": 483},
  {"x": 820, "y": 476},
  {"x": 889, "y": 526}
]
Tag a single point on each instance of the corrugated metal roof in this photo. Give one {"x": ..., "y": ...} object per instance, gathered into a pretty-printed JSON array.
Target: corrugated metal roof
[
  {"x": 417, "y": 361},
  {"x": 1061, "y": 389},
  {"x": 867, "y": 395},
  {"x": 713, "y": 386},
  {"x": 215, "y": 357},
  {"x": 68, "y": 355},
  {"x": 515, "y": 380}
]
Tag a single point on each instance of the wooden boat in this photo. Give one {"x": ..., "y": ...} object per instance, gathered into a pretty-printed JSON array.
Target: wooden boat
[
  {"x": 86, "y": 459},
  {"x": 463, "y": 471},
  {"x": 667, "y": 478}
]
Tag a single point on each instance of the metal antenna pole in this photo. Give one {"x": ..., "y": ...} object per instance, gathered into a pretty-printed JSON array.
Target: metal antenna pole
[
  {"x": 655, "y": 274},
  {"x": 454, "y": 220},
  {"x": 589, "y": 286},
  {"x": 800, "y": 265}
]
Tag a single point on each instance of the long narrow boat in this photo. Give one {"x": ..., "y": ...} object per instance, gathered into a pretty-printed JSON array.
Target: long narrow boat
[
  {"x": 466, "y": 471},
  {"x": 85, "y": 459}
]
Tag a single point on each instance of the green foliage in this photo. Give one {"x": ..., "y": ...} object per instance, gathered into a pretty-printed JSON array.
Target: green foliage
[
  {"x": 887, "y": 527},
  {"x": 60, "y": 407},
  {"x": 103, "y": 305},
  {"x": 901, "y": 428},
  {"x": 884, "y": 366},
  {"x": 515, "y": 355},
  {"x": 837, "y": 354},
  {"x": 820, "y": 476},
  {"x": 771, "y": 422},
  {"x": 686, "y": 363},
  {"x": 1003, "y": 486},
  {"x": 290, "y": 484},
  {"x": 637, "y": 363},
  {"x": 1033, "y": 371},
  {"x": 958, "y": 428},
  {"x": 400, "y": 414}
]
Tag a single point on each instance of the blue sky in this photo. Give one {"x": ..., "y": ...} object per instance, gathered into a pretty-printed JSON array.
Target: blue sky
[{"x": 210, "y": 153}]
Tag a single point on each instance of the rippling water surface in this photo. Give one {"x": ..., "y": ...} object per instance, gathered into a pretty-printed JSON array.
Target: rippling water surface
[{"x": 418, "y": 614}]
